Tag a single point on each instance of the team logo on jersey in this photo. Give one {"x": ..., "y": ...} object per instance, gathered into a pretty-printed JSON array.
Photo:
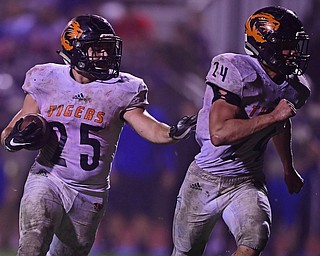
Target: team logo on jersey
[
  {"x": 72, "y": 32},
  {"x": 261, "y": 22},
  {"x": 78, "y": 111}
]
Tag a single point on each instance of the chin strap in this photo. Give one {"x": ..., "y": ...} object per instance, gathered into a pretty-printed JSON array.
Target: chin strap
[{"x": 66, "y": 59}]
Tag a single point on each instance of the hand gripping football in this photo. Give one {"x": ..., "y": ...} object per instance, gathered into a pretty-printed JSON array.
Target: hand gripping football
[{"x": 34, "y": 131}]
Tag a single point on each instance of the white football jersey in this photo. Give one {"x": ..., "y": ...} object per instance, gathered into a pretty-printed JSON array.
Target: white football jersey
[
  {"x": 87, "y": 122},
  {"x": 243, "y": 76}
]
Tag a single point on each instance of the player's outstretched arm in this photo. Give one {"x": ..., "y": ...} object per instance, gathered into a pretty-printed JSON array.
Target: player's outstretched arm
[{"x": 157, "y": 132}]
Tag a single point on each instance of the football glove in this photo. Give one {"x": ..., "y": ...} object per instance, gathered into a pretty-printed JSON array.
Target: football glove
[
  {"x": 183, "y": 128},
  {"x": 26, "y": 138}
]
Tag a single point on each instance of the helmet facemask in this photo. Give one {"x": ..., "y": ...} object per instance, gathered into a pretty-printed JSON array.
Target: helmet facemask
[
  {"x": 297, "y": 62},
  {"x": 101, "y": 59},
  {"x": 288, "y": 56}
]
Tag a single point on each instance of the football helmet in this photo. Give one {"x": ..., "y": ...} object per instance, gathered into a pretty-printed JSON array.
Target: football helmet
[
  {"x": 276, "y": 36},
  {"x": 90, "y": 45}
]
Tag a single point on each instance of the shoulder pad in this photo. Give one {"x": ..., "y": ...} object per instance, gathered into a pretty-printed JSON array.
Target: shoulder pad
[{"x": 230, "y": 71}]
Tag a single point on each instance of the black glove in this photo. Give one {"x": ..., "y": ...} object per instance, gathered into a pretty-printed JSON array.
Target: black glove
[
  {"x": 26, "y": 138},
  {"x": 183, "y": 128}
]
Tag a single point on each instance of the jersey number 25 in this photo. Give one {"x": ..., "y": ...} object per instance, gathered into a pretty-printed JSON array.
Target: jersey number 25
[{"x": 84, "y": 140}]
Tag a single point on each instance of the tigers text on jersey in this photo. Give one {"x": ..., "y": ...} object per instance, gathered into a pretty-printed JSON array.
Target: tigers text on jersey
[
  {"x": 243, "y": 76},
  {"x": 87, "y": 122}
]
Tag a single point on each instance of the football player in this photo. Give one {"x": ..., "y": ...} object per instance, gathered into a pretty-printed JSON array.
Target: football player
[
  {"x": 86, "y": 103},
  {"x": 249, "y": 99}
]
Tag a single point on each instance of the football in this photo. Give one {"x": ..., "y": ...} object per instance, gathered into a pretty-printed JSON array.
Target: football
[{"x": 39, "y": 130}]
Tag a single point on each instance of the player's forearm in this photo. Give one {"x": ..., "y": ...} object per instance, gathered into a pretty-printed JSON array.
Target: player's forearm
[
  {"x": 158, "y": 133},
  {"x": 29, "y": 106},
  {"x": 7, "y": 130},
  {"x": 234, "y": 130},
  {"x": 4, "y": 135},
  {"x": 283, "y": 145},
  {"x": 148, "y": 127}
]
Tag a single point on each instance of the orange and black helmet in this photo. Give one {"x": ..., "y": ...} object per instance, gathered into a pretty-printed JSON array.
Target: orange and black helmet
[
  {"x": 276, "y": 36},
  {"x": 96, "y": 33}
]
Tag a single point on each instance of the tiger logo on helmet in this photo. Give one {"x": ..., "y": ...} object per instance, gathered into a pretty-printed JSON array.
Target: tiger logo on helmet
[
  {"x": 73, "y": 31},
  {"x": 264, "y": 22}
]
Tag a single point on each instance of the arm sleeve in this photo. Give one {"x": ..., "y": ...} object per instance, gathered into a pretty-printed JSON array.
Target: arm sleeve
[
  {"x": 227, "y": 96},
  {"x": 140, "y": 99}
]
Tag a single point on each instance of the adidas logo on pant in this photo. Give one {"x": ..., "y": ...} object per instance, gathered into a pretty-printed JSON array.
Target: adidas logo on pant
[{"x": 196, "y": 186}]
